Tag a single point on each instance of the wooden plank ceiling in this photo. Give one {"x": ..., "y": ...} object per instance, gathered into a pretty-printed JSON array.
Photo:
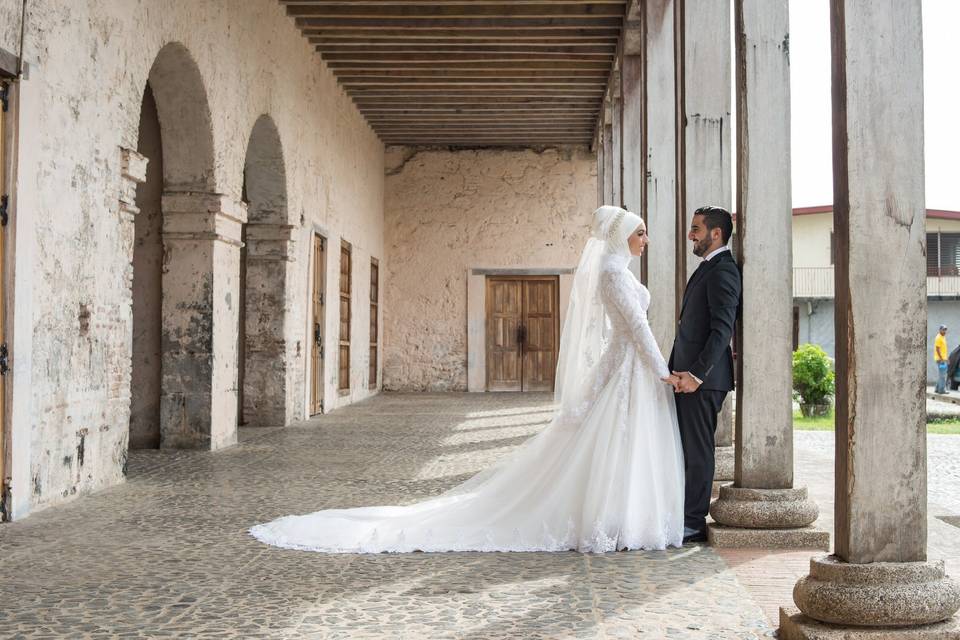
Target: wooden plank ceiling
[{"x": 469, "y": 72}]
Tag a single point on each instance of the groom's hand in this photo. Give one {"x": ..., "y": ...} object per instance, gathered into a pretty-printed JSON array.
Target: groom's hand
[{"x": 685, "y": 382}]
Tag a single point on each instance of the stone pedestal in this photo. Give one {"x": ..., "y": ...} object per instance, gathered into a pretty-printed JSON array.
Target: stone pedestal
[
  {"x": 796, "y": 626},
  {"x": 766, "y": 518},
  {"x": 878, "y": 594}
]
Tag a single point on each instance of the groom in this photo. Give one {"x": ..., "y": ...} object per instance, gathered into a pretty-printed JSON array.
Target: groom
[{"x": 701, "y": 360}]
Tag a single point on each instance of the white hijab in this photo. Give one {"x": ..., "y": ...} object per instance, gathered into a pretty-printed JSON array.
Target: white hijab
[{"x": 586, "y": 326}]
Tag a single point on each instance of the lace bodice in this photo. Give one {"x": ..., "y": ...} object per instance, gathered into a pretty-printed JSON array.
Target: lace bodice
[{"x": 626, "y": 302}]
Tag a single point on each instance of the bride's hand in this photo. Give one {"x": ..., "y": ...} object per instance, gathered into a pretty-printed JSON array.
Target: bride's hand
[{"x": 672, "y": 380}]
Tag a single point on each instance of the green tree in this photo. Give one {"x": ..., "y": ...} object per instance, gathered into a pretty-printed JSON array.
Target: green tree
[{"x": 813, "y": 377}]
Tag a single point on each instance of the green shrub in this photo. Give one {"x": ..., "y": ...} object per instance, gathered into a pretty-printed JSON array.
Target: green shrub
[{"x": 813, "y": 378}]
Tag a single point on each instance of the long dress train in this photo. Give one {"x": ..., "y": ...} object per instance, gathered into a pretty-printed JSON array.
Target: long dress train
[{"x": 603, "y": 476}]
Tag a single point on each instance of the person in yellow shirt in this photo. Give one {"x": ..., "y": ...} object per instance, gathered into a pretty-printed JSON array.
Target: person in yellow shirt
[{"x": 941, "y": 355}]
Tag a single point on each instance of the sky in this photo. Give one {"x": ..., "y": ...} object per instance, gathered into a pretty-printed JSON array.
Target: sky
[{"x": 811, "y": 110}]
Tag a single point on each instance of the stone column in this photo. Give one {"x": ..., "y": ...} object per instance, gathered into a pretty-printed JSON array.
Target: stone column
[
  {"x": 201, "y": 239},
  {"x": 608, "y": 153},
  {"x": 631, "y": 80},
  {"x": 616, "y": 112},
  {"x": 706, "y": 147},
  {"x": 661, "y": 168},
  {"x": 631, "y": 88},
  {"x": 270, "y": 352},
  {"x": 763, "y": 508},
  {"x": 599, "y": 146},
  {"x": 880, "y": 574}
]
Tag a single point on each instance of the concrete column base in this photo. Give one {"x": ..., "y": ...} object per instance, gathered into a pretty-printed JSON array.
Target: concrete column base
[
  {"x": 879, "y": 594},
  {"x": 739, "y": 538},
  {"x": 796, "y": 626},
  {"x": 763, "y": 508},
  {"x": 725, "y": 458}
]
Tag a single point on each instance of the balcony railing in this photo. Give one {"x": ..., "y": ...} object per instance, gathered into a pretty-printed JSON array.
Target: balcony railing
[
  {"x": 817, "y": 282},
  {"x": 813, "y": 282}
]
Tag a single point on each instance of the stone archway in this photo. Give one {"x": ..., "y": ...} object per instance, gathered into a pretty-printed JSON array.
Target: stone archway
[
  {"x": 185, "y": 257},
  {"x": 265, "y": 359},
  {"x": 145, "y": 385}
]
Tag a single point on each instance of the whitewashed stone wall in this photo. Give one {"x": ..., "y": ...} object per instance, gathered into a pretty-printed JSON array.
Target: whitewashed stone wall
[
  {"x": 89, "y": 63},
  {"x": 450, "y": 211}
]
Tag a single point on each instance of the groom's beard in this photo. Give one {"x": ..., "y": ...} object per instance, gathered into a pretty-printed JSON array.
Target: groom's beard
[{"x": 700, "y": 247}]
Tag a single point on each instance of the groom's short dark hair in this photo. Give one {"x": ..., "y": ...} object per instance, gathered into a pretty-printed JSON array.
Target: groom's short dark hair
[{"x": 717, "y": 218}]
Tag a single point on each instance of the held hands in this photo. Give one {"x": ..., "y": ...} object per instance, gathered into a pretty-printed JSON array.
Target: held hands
[
  {"x": 673, "y": 381},
  {"x": 682, "y": 382}
]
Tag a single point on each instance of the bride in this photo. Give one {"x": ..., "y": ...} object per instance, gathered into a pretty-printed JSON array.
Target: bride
[{"x": 606, "y": 474}]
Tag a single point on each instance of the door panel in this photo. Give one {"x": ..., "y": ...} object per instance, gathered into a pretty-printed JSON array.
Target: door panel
[
  {"x": 317, "y": 301},
  {"x": 522, "y": 329},
  {"x": 539, "y": 348},
  {"x": 346, "y": 287},
  {"x": 504, "y": 315}
]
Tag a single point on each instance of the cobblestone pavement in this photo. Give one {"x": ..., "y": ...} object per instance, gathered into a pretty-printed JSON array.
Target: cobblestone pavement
[{"x": 166, "y": 553}]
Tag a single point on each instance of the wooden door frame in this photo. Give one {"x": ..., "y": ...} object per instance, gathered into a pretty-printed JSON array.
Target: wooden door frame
[
  {"x": 348, "y": 248},
  {"x": 522, "y": 277},
  {"x": 15, "y": 420},
  {"x": 6, "y": 202},
  {"x": 374, "y": 323},
  {"x": 318, "y": 381}
]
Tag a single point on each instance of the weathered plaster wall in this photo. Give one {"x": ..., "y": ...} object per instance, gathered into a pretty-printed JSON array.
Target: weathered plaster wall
[
  {"x": 450, "y": 211},
  {"x": 90, "y": 61}
]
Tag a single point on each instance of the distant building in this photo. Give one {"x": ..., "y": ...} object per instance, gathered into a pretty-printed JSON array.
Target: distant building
[{"x": 813, "y": 277}]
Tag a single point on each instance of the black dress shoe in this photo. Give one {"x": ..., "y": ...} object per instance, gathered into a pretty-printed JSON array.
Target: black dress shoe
[{"x": 697, "y": 536}]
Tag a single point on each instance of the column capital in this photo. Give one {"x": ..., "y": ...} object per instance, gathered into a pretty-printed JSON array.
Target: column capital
[
  {"x": 270, "y": 242},
  {"x": 196, "y": 216}
]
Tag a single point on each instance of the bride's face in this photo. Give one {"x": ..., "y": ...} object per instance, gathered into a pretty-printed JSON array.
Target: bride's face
[{"x": 638, "y": 241}]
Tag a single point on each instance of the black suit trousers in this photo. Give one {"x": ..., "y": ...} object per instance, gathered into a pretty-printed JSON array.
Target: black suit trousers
[{"x": 697, "y": 418}]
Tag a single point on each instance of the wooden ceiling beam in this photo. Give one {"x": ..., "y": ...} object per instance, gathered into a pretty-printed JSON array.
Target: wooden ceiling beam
[
  {"x": 451, "y": 101},
  {"x": 386, "y": 124},
  {"x": 579, "y": 91},
  {"x": 460, "y": 10},
  {"x": 441, "y": 74},
  {"x": 404, "y": 34},
  {"x": 401, "y": 59},
  {"x": 386, "y": 51},
  {"x": 441, "y": 3},
  {"x": 383, "y": 41},
  {"x": 469, "y": 72},
  {"x": 440, "y": 23},
  {"x": 494, "y": 65}
]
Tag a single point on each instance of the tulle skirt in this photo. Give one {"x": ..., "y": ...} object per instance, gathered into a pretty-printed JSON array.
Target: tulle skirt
[{"x": 611, "y": 479}]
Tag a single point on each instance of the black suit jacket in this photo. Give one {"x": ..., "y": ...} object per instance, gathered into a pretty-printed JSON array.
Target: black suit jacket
[{"x": 708, "y": 316}]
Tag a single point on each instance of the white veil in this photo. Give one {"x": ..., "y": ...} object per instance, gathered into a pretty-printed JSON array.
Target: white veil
[{"x": 586, "y": 327}]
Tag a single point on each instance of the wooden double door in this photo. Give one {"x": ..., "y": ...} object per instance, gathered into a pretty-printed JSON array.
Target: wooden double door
[{"x": 523, "y": 328}]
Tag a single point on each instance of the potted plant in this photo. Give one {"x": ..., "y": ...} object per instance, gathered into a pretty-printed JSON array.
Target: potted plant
[{"x": 813, "y": 380}]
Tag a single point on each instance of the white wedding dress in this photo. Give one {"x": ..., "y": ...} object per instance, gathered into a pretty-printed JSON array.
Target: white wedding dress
[{"x": 605, "y": 474}]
